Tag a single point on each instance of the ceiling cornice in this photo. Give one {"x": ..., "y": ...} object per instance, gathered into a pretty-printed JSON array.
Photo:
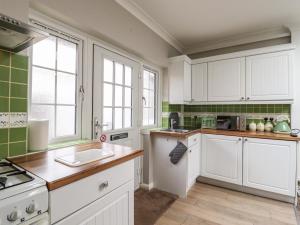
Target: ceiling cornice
[
  {"x": 235, "y": 40},
  {"x": 144, "y": 17}
]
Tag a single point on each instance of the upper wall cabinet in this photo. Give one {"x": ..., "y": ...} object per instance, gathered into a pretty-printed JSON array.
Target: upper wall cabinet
[
  {"x": 180, "y": 73},
  {"x": 226, "y": 80},
  {"x": 269, "y": 76},
  {"x": 199, "y": 82}
]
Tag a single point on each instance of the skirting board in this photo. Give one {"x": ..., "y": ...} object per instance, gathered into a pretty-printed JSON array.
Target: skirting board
[
  {"x": 248, "y": 190},
  {"x": 147, "y": 186}
]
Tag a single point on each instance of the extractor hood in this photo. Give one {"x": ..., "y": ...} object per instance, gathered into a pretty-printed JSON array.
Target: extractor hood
[{"x": 16, "y": 36}]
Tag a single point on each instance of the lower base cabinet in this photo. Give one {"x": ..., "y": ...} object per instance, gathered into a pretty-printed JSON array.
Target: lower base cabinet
[{"x": 270, "y": 165}]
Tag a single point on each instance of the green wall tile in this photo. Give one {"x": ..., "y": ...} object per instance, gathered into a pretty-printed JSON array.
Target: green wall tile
[
  {"x": 18, "y": 105},
  {"x": 3, "y": 136},
  {"x": 3, "y": 151},
  {"x": 4, "y": 73},
  {"x": 18, "y": 148},
  {"x": 4, "y": 58},
  {"x": 17, "y": 134},
  {"x": 18, "y": 90},
  {"x": 19, "y": 61},
  {"x": 19, "y": 76},
  {"x": 165, "y": 122},
  {"x": 4, "y": 89},
  {"x": 4, "y": 104}
]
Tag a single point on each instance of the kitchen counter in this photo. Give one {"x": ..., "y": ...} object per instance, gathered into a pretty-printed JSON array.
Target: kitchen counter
[
  {"x": 249, "y": 134},
  {"x": 57, "y": 174}
]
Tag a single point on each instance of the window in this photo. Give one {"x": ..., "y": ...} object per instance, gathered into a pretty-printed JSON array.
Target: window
[
  {"x": 149, "y": 97},
  {"x": 117, "y": 95},
  {"x": 54, "y": 80}
]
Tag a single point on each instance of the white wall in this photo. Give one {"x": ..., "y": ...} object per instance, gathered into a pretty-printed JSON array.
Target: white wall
[
  {"x": 17, "y": 9},
  {"x": 108, "y": 21}
]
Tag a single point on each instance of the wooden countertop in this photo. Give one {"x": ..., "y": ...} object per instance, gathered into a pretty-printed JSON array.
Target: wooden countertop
[
  {"x": 249, "y": 134},
  {"x": 56, "y": 175}
]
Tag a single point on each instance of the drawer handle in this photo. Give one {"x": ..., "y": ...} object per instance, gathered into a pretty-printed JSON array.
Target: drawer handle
[{"x": 103, "y": 185}]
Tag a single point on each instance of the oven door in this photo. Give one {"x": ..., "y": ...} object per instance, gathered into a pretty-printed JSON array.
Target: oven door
[{"x": 42, "y": 219}]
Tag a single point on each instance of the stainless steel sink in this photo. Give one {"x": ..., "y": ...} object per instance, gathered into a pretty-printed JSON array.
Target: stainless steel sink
[{"x": 175, "y": 130}]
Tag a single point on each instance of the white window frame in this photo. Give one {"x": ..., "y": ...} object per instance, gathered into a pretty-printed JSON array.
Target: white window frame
[
  {"x": 52, "y": 30},
  {"x": 156, "y": 96}
]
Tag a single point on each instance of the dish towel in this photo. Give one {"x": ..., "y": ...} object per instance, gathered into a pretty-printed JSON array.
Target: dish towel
[{"x": 177, "y": 153}]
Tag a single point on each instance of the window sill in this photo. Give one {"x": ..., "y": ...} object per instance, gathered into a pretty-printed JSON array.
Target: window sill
[{"x": 67, "y": 144}]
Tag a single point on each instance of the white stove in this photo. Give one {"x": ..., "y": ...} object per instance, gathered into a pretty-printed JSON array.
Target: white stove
[{"x": 23, "y": 196}]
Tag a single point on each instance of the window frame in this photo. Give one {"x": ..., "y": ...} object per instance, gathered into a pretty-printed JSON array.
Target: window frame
[
  {"x": 156, "y": 96},
  {"x": 79, "y": 82}
]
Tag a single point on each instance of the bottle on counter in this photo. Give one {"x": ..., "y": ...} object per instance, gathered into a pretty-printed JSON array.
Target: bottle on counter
[
  {"x": 252, "y": 126},
  {"x": 260, "y": 126},
  {"x": 268, "y": 125}
]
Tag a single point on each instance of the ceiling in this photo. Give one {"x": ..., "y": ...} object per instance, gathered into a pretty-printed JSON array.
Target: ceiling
[{"x": 192, "y": 24}]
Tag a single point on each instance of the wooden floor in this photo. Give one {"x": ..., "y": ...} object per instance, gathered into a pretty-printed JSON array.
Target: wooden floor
[{"x": 209, "y": 205}]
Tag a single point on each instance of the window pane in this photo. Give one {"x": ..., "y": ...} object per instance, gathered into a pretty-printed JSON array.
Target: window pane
[
  {"x": 118, "y": 95},
  {"x": 145, "y": 116},
  {"x": 66, "y": 85},
  {"x": 107, "y": 118},
  {"x": 66, "y": 56},
  {"x": 44, "y": 112},
  {"x": 128, "y": 72},
  {"x": 146, "y": 102},
  {"x": 118, "y": 118},
  {"x": 146, "y": 79},
  {"x": 65, "y": 120},
  {"x": 151, "y": 81},
  {"x": 118, "y": 73},
  {"x": 107, "y": 94},
  {"x": 43, "y": 85},
  {"x": 127, "y": 118},
  {"x": 44, "y": 53},
  {"x": 151, "y": 117},
  {"x": 151, "y": 99},
  {"x": 128, "y": 97},
  {"x": 108, "y": 70}
]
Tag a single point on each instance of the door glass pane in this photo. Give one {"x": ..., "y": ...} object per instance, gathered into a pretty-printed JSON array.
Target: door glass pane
[
  {"x": 107, "y": 118},
  {"x": 128, "y": 72},
  {"x": 43, "y": 85},
  {"x": 118, "y": 73},
  {"x": 66, "y": 84},
  {"x": 108, "y": 70},
  {"x": 146, "y": 79},
  {"x": 44, "y": 112},
  {"x": 107, "y": 94},
  {"x": 145, "y": 116},
  {"x": 151, "y": 116},
  {"x": 66, "y": 56},
  {"x": 151, "y": 81},
  {"x": 127, "y": 118},
  {"x": 65, "y": 120},
  {"x": 118, "y": 118},
  {"x": 118, "y": 95},
  {"x": 127, "y": 97},
  {"x": 44, "y": 53}
]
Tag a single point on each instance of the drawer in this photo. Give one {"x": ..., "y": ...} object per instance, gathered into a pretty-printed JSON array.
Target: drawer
[
  {"x": 70, "y": 198},
  {"x": 194, "y": 139}
]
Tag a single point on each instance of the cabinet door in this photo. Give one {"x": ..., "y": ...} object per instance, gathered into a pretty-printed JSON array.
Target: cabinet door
[
  {"x": 226, "y": 80},
  {"x": 187, "y": 82},
  {"x": 193, "y": 164},
  {"x": 199, "y": 82},
  {"x": 270, "y": 165},
  {"x": 269, "y": 76},
  {"x": 222, "y": 158},
  {"x": 114, "y": 208}
]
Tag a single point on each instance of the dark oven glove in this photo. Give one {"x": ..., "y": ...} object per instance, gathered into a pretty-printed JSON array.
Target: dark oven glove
[{"x": 177, "y": 153}]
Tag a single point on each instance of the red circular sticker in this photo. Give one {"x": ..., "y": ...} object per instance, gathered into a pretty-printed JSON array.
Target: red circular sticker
[{"x": 103, "y": 138}]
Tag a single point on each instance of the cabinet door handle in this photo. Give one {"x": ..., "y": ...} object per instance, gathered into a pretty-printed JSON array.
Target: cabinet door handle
[
  {"x": 245, "y": 139},
  {"x": 242, "y": 98},
  {"x": 248, "y": 98},
  {"x": 190, "y": 150},
  {"x": 240, "y": 139},
  {"x": 103, "y": 185}
]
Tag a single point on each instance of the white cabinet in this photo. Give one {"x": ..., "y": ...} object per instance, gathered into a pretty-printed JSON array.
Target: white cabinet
[
  {"x": 226, "y": 80},
  {"x": 116, "y": 208},
  {"x": 179, "y": 72},
  {"x": 175, "y": 178},
  {"x": 199, "y": 82},
  {"x": 222, "y": 158},
  {"x": 269, "y": 76},
  {"x": 270, "y": 165}
]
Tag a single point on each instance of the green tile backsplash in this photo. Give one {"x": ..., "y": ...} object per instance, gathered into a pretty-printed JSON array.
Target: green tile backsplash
[
  {"x": 252, "y": 109},
  {"x": 13, "y": 99}
]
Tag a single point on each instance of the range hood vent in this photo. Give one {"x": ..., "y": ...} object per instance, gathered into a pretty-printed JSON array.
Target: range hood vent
[{"x": 16, "y": 36}]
